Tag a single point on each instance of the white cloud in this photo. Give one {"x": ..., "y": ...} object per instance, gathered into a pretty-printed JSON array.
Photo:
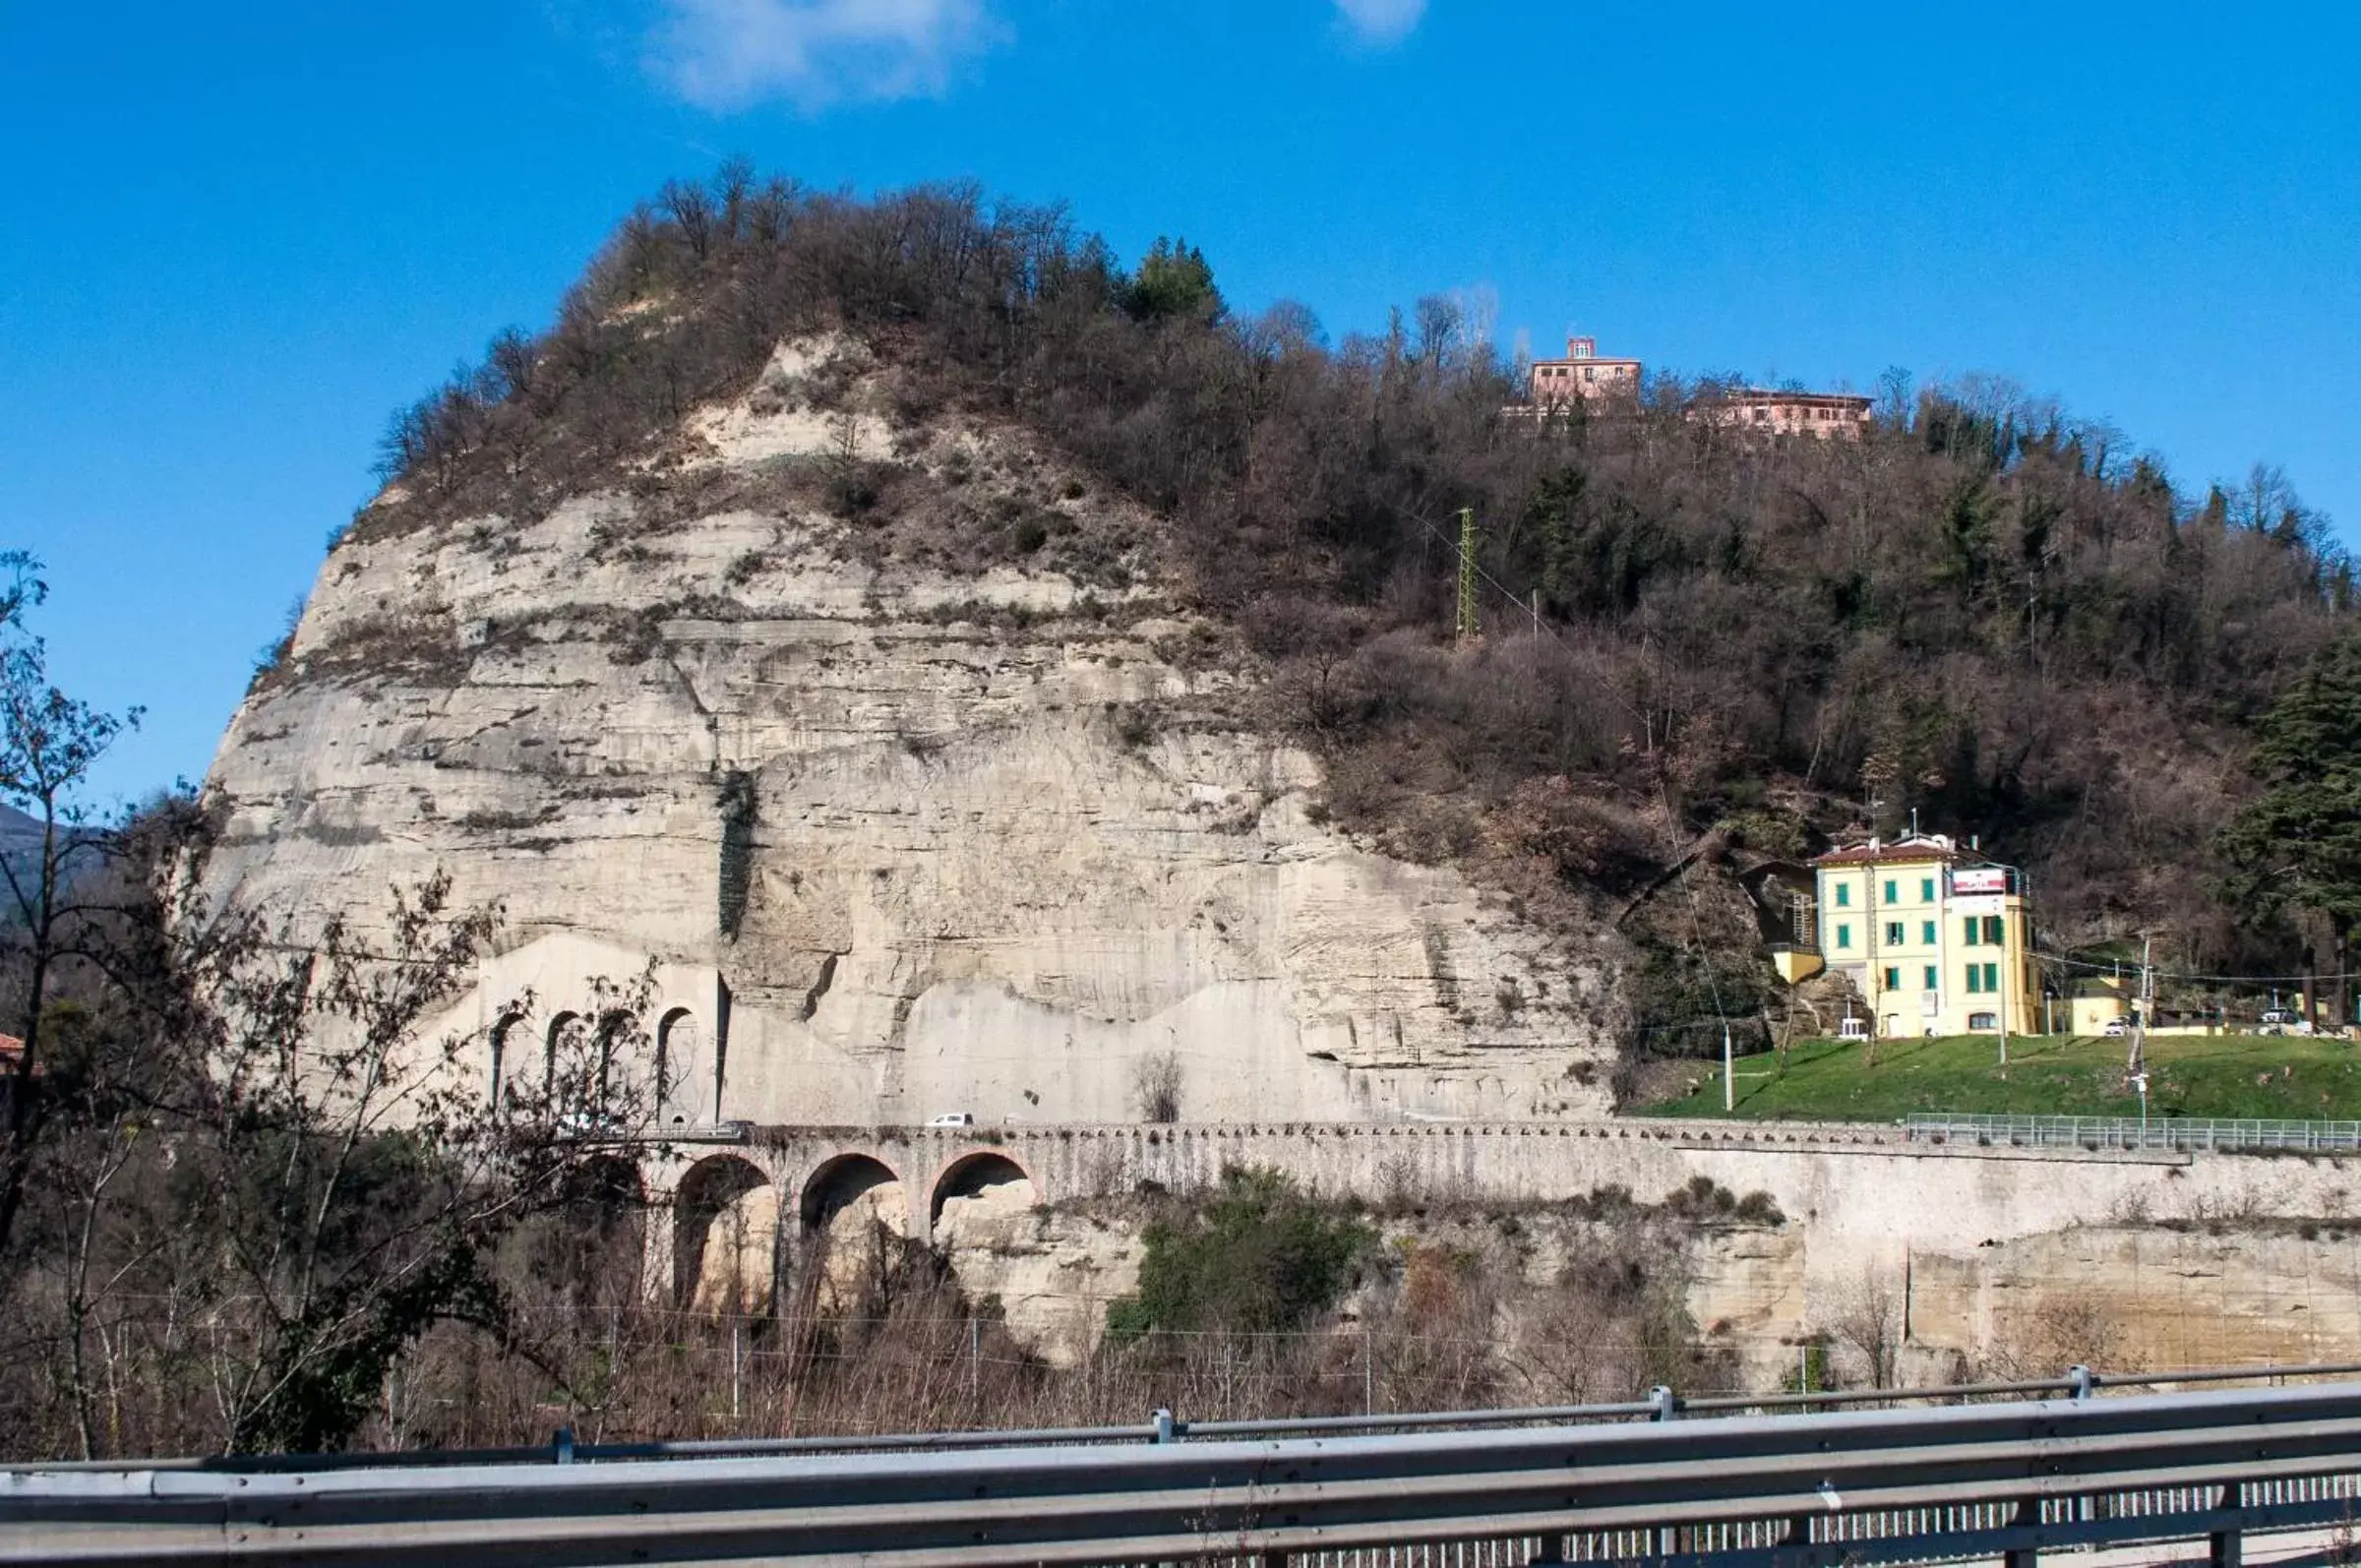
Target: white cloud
[
  {"x": 725, "y": 54},
  {"x": 1381, "y": 22}
]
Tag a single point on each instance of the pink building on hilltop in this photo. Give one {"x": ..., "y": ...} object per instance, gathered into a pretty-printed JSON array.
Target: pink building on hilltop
[
  {"x": 1787, "y": 413},
  {"x": 1582, "y": 376},
  {"x": 1583, "y": 379}
]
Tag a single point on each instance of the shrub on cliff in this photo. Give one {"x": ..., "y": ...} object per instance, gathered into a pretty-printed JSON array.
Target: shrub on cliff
[{"x": 1258, "y": 1255}]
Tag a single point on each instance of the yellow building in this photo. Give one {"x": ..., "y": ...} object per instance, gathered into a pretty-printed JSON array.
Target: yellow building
[
  {"x": 1937, "y": 942},
  {"x": 2096, "y": 1004}
]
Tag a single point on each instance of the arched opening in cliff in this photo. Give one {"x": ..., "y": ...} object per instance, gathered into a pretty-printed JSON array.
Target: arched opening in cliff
[
  {"x": 496, "y": 1076},
  {"x": 973, "y": 1191},
  {"x": 676, "y": 1068},
  {"x": 725, "y": 1221},
  {"x": 561, "y": 1071},
  {"x": 616, "y": 1091}
]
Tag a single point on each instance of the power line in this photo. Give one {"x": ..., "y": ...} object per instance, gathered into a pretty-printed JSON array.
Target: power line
[{"x": 1469, "y": 570}]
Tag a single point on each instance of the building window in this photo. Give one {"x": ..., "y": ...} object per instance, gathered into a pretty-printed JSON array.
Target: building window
[
  {"x": 1926, "y": 891},
  {"x": 1843, "y": 935},
  {"x": 1893, "y": 931},
  {"x": 1983, "y": 1020},
  {"x": 1973, "y": 926},
  {"x": 1975, "y": 979},
  {"x": 1893, "y": 976},
  {"x": 1844, "y": 896},
  {"x": 1926, "y": 931},
  {"x": 1995, "y": 932},
  {"x": 1983, "y": 979},
  {"x": 1933, "y": 981},
  {"x": 1893, "y": 894}
]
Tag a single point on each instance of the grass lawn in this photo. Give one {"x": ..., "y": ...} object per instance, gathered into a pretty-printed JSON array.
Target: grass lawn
[{"x": 2224, "y": 1075}]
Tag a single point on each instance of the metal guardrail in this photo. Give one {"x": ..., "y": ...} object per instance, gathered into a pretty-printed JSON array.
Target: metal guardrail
[
  {"x": 2181, "y": 1134},
  {"x": 1163, "y": 1426},
  {"x": 1750, "y": 1491}
]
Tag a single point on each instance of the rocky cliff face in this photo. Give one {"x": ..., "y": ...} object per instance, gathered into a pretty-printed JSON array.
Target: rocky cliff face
[{"x": 901, "y": 835}]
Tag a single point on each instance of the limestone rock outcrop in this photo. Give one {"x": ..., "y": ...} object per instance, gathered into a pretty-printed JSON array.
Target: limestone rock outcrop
[{"x": 894, "y": 837}]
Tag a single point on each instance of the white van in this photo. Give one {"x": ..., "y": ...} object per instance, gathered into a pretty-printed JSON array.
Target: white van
[{"x": 953, "y": 1118}]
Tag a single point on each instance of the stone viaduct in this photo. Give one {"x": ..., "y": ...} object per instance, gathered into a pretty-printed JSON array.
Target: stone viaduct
[{"x": 1866, "y": 1196}]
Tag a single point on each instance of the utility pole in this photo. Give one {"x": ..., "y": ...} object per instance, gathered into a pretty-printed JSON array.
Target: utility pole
[
  {"x": 1467, "y": 573},
  {"x": 2137, "y": 1067}
]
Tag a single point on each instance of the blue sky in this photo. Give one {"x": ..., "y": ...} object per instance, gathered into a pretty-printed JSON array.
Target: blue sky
[{"x": 238, "y": 236}]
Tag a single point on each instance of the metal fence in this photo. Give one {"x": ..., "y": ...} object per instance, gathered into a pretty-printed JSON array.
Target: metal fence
[
  {"x": 2184, "y": 1134},
  {"x": 1911, "y": 1484}
]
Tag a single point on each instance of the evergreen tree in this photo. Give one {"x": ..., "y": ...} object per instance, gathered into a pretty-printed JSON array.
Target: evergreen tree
[
  {"x": 1174, "y": 281},
  {"x": 2297, "y": 848}
]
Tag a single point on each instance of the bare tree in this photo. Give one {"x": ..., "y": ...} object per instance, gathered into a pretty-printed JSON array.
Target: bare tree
[
  {"x": 1156, "y": 1086},
  {"x": 49, "y": 744},
  {"x": 1867, "y": 1319}
]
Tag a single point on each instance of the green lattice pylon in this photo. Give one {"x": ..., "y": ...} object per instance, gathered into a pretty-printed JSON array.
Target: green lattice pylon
[{"x": 1467, "y": 573}]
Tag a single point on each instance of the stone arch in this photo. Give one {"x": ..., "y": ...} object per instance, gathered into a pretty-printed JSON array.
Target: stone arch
[
  {"x": 562, "y": 1051},
  {"x": 611, "y": 1079},
  {"x": 498, "y": 1077},
  {"x": 724, "y": 1232},
  {"x": 847, "y": 1181},
  {"x": 854, "y": 1224},
  {"x": 985, "y": 1173},
  {"x": 676, "y": 1068}
]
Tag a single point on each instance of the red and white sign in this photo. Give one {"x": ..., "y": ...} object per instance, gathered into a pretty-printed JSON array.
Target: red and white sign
[{"x": 1982, "y": 880}]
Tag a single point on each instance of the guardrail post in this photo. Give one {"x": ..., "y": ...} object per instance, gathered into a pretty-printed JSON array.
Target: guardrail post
[
  {"x": 2226, "y": 1548},
  {"x": 1666, "y": 1404},
  {"x": 1167, "y": 1430},
  {"x": 561, "y": 1446},
  {"x": 2080, "y": 1376},
  {"x": 2029, "y": 1514}
]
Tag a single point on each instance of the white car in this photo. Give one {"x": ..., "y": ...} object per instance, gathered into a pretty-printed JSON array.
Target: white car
[
  {"x": 2115, "y": 1028},
  {"x": 953, "y": 1118}
]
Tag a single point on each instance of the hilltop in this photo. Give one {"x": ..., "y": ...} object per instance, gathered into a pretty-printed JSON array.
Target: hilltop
[{"x": 1701, "y": 647}]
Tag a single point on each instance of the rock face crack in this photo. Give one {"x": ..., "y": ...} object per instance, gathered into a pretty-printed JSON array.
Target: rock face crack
[
  {"x": 737, "y": 850},
  {"x": 819, "y": 986},
  {"x": 1438, "y": 966}
]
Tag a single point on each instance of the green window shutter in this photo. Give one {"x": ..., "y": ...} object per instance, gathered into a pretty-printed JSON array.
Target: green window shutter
[
  {"x": 1969, "y": 930},
  {"x": 1975, "y": 981},
  {"x": 1894, "y": 977},
  {"x": 1926, "y": 889},
  {"x": 1996, "y": 931},
  {"x": 1843, "y": 935},
  {"x": 1926, "y": 931},
  {"x": 1894, "y": 934},
  {"x": 1992, "y": 978},
  {"x": 1893, "y": 897},
  {"x": 1933, "y": 981},
  {"x": 1844, "y": 896}
]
